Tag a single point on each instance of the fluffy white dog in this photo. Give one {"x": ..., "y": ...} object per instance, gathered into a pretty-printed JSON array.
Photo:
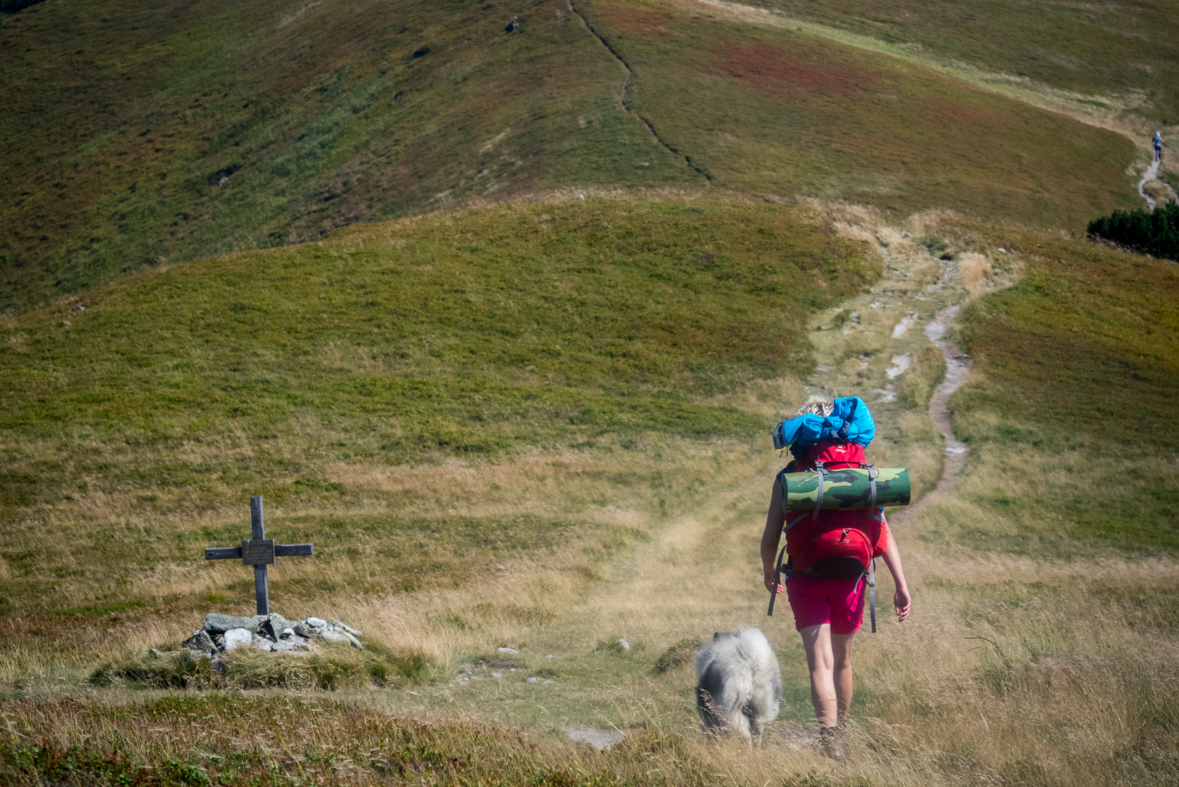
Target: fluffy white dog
[{"x": 739, "y": 686}]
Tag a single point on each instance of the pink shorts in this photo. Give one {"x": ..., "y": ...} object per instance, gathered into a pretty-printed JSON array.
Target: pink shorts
[{"x": 839, "y": 602}]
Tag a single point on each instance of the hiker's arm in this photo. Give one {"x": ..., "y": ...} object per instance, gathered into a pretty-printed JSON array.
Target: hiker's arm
[
  {"x": 769, "y": 539},
  {"x": 901, "y": 600}
]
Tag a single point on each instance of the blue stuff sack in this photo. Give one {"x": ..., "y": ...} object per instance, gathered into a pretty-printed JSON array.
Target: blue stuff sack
[{"x": 850, "y": 422}]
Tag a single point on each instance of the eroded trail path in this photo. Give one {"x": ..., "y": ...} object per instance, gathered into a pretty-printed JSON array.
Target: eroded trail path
[
  {"x": 1152, "y": 173},
  {"x": 622, "y": 100},
  {"x": 957, "y": 369}
]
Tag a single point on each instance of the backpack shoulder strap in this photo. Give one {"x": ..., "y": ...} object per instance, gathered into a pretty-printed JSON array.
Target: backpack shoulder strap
[
  {"x": 822, "y": 471},
  {"x": 872, "y": 473}
]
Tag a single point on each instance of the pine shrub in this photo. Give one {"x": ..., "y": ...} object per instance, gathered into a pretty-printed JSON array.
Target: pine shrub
[{"x": 1156, "y": 234}]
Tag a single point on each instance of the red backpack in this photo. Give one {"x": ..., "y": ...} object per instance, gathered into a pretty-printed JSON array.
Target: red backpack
[{"x": 834, "y": 543}]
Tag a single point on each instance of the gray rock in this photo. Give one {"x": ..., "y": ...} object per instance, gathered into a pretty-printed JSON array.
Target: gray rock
[
  {"x": 286, "y": 633},
  {"x": 218, "y": 665},
  {"x": 236, "y": 638},
  {"x": 262, "y": 643},
  {"x": 600, "y": 739},
  {"x": 318, "y": 623},
  {"x": 216, "y": 623},
  {"x": 625, "y": 645},
  {"x": 507, "y": 650},
  {"x": 200, "y": 642},
  {"x": 346, "y": 628},
  {"x": 291, "y": 644},
  {"x": 534, "y": 680},
  {"x": 272, "y": 626},
  {"x": 333, "y": 635},
  {"x": 307, "y": 632}
]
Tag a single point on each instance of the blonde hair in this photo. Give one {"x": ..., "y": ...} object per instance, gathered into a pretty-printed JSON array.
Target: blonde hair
[{"x": 818, "y": 404}]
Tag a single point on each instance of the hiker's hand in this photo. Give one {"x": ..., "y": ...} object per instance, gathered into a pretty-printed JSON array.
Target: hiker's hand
[
  {"x": 771, "y": 579},
  {"x": 902, "y": 602}
]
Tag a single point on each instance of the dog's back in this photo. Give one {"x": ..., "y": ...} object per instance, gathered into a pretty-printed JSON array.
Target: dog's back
[{"x": 739, "y": 685}]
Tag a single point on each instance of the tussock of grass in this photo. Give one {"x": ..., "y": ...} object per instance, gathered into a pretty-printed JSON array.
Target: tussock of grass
[
  {"x": 679, "y": 654},
  {"x": 156, "y": 742},
  {"x": 926, "y": 371},
  {"x": 330, "y": 667}
]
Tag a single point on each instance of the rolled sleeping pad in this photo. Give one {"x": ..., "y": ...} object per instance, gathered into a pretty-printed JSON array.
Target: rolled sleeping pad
[{"x": 845, "y": 490}]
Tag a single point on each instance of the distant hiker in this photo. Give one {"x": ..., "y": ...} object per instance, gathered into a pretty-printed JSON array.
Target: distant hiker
[
  {"x": 1158, "y": 146},
  {"x": 826, "y": 594}
]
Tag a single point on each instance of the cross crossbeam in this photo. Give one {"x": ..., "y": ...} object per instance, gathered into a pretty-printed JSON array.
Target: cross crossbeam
[{"x": 259, "y": 551}]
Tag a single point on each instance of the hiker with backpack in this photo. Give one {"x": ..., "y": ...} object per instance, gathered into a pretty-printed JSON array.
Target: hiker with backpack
[
  {"x": 831, "y": 553},
  {"x": 1158, "y": 146}
]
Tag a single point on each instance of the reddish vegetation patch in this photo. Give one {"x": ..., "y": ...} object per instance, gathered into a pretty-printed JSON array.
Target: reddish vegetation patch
[
  {"x": 958, "y": 113},
  {"x": 772, "y": 70},
  {"x": 631, "y": 20}
]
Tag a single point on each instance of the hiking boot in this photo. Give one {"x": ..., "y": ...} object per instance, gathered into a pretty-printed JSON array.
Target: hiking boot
[{"x": 831, "y": 742}]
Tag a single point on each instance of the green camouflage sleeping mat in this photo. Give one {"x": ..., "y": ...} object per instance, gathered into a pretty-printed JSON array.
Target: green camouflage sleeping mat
[{"x": 845, "y": 490}]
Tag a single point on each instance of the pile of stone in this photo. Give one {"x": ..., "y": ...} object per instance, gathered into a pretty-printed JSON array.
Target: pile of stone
[{"x": 272, "y": 633}]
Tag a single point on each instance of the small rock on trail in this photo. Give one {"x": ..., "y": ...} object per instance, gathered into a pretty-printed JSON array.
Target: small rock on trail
[{"x": 600, "y": 739}]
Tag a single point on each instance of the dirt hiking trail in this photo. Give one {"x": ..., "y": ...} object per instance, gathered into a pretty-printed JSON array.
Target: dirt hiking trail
[{"x": 1152, "y": 173}]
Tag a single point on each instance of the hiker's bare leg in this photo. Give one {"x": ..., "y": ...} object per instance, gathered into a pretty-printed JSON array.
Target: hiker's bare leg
[
  {"x": 841, "y": 650},
  {"x": 820, "y": 659}
]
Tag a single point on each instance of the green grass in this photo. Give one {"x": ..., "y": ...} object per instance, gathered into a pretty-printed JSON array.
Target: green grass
[
  {"x": 122, "y": 120},
  {"x": 1076, "y": 373},
  {"x": 1097, "y": 49},
  {"x": 605, "y": 331},
  {"x": 533, "y": 325}
]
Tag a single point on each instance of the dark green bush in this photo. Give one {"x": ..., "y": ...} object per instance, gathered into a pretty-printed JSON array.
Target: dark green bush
[
  {"x": 1156, "y": 234},
  {"x": 12, "y": 6}
]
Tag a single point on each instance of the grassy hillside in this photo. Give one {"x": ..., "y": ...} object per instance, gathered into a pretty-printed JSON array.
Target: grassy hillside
[
  {"x": 565, "y": 348},
  {"x": 1107, "y": 49},
  {"x": 768, "y": 109},
  {"x": 1042, "y": 645},
  {"x": 122, "y": 120},
  {"x": 1081, "y": 363},
  {"x": 139, "y": 136}
]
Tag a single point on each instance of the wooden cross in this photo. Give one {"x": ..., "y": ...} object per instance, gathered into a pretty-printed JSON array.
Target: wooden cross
[{"x": 259, "y": 552}]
